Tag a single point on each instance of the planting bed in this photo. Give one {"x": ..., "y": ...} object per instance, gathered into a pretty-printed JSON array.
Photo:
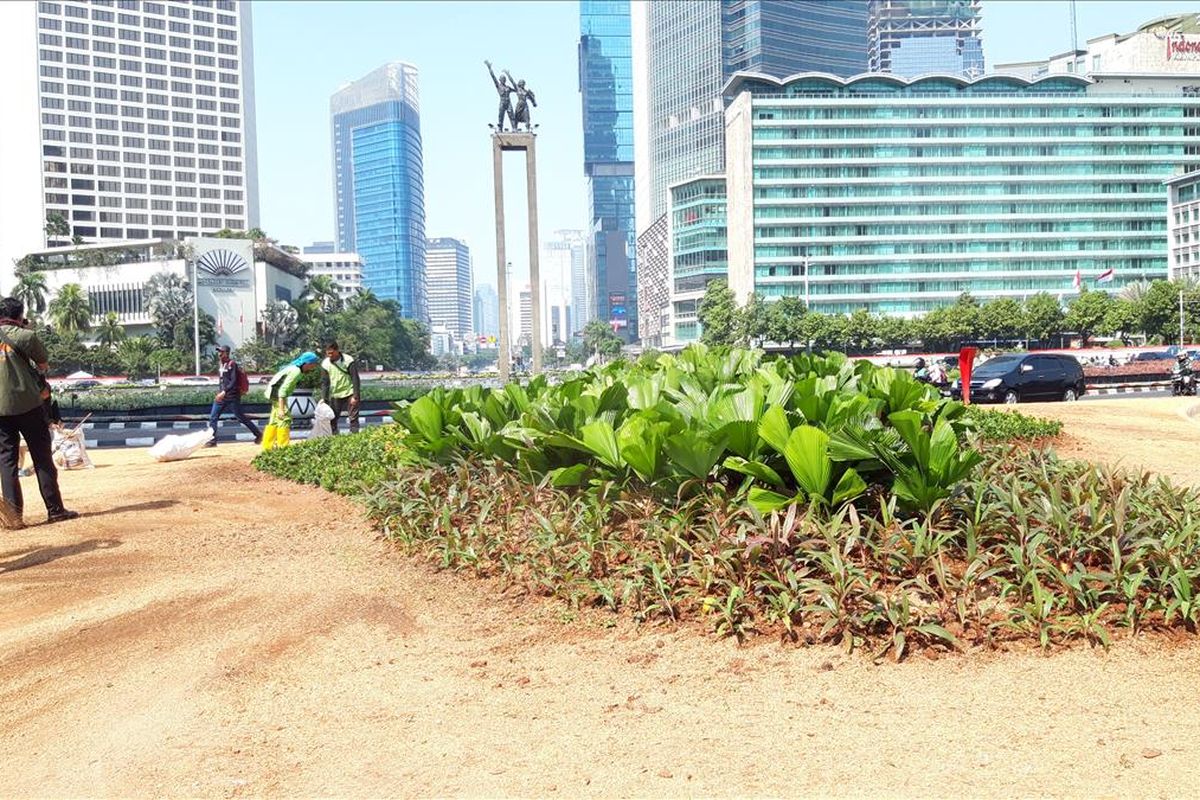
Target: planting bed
[{"x": 812, "y": 499}]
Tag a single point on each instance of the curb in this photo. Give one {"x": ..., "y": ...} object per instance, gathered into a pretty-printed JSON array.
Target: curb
[
  {"x": 148, "y": 436},
  {"x": 1128, "y": 388}
]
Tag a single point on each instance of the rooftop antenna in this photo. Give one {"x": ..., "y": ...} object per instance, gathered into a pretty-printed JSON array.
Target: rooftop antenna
[{"x": 1074, "y": 29}]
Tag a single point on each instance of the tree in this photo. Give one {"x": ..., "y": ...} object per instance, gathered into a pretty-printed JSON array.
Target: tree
[
  {"x": 1001, "y": 319},
  {"x": 70, "y": 309},
  {"x": 133, "y": 355},
  {"x": 1158, "y": 311},
  {"x": 718, "y": 314},
  {"x": 110, "y": 332},
  {"x": 168, "y": 299},
  {"x": 1043, "y": 317},
  {"x": 57, "y": 226},
  {"x": 1121, "y": 318},
  {"x": 753, "y": 321},
  {"x": 893, "y": 332},
  {"x": 1087, "y": 313},
  {"x": 323, "y": 292},
  {"x": 280, "y": 322},
  {"x": 783, "y": 320},
  {"x": 859, "y": 331},
  {"x": 600, "y": 340},
  {"x": 258, "y": 354},
  {"x": 183, "y": 340},
  {"x": 30, "y": 289}
]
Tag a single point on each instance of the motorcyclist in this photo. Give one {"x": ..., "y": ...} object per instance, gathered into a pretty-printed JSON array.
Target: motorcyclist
[
  {"x": 921, "y": 372},
  {"x": 1182, "y": 378}
]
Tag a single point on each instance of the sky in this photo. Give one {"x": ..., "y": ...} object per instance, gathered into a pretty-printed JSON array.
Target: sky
[{"x": 304, "y": 51}]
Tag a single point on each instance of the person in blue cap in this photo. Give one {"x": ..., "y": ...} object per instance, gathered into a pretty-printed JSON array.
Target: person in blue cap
[{"x": 279, "y": 427}]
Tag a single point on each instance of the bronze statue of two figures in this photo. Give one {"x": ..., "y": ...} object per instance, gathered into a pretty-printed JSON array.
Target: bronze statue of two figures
[{"x": 506, "y": 87}]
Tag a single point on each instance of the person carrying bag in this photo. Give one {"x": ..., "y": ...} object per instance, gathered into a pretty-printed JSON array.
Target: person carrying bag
[{"x": 24, "y": 393}]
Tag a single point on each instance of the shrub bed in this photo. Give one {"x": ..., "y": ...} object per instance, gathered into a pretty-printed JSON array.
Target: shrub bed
[
  {"x": 132, "y": 399},
  {"x": 712, "y": 486}
]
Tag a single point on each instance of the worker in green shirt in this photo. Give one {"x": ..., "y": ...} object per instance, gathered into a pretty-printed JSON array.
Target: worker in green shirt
[
  {"x": 279, "y": 426},
  {"x": 341, "y": 388}
]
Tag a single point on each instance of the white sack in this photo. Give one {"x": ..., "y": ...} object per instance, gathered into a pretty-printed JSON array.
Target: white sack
[{"x": 177, "y": 448}]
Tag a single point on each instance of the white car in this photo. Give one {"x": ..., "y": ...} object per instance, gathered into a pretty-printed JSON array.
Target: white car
[{"x": 197, "y": 380}]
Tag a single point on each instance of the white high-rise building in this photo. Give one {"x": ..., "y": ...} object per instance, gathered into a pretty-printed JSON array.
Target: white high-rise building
[
  {"x": 127, "y": 119},
  {"x": 344, "y": 268},
  {"x": 564, "y": 282},
  {"x": 449, "y": 285}
]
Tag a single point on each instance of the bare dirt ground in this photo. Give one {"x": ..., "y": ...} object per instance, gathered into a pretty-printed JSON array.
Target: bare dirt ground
[{"x": 208, "y": 631}]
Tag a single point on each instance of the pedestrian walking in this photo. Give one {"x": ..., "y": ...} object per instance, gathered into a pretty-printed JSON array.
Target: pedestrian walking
[
  {"x": 233, "y": 383},
  {"x": 23, "y": 396},
  {"x": 279, "y": 427},
  {"x": 341, "y": 388}
]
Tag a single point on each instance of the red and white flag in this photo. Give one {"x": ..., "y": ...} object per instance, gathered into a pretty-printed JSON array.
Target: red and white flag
[
  {"x": 1078, "y": 279},
  {"x": 1106, "y": 276}
]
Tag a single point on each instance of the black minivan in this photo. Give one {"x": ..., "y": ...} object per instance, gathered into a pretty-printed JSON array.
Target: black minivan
[{"x": 1024, "y": 377}]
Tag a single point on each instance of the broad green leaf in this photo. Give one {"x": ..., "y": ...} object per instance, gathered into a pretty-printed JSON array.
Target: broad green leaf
[
  {"x": 694, "y": 453},
  {"x": 740, "y": 436},
  {"x": 908, "y": 424},
  {"x": 755, "y": 469},
  {"x": 848, "y": 487},
  {"x": 600, "y": 439},
  {"x": 640, "y": 443},
  {"x": 765, "y": 501},
  {"x": 568, "y": 476},
  {"x": 426, "y": 418},
  {"x": 774, "y": 428},
  {"x": 808, "y": 458}
]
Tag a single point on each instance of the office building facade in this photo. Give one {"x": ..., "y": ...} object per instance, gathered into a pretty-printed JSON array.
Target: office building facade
[
  {"x": 924, "y": 37},
  {"x": 379, "y": 189},
  {"x": 897, "y": 196},
  {"x": 125, "y": 120},
  {"x": 654, "y": 282},
  {"x": 606, "y": 91},
  {"x": 686, "y": 52},
  {"x": 344, "y": 269},
  {"x": 1183, "y": 226},
  {"x": 487, "y": 311},
  {"x": 450, "y": 285}
]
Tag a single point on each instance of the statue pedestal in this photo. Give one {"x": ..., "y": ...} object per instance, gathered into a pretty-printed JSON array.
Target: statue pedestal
[{"x": 526, "y": 142}]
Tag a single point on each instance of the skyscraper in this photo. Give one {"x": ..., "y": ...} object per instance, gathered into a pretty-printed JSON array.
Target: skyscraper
[
  {"x": 449, "y": 285},
  {"x": 379, "y": 183},
  {"x": 606, "y": 87},
  {"x": 127, "y": 120},
  {"x": 487, "y": 311},
  {"x": 692, "y": 48},
  {"x": 919, "y": 37}
]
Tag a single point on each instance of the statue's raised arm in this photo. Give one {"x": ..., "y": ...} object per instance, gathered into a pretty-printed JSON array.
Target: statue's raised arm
[
  {"x": 495, "y": 82},
  {"x": 504, "y": 90}
]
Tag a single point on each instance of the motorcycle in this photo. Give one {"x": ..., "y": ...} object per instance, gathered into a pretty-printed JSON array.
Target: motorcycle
[{"x": 1183, "y": 383}]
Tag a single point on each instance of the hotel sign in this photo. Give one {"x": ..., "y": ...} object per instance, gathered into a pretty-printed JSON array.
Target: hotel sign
[{"x": 1179, "y": 46}]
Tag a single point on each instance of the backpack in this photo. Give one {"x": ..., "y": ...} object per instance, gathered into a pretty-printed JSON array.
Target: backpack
[{"x": 243, "y": 380}]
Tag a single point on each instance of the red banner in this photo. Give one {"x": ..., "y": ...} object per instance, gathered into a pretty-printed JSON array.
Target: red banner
[{"x": 966, "y": 362}]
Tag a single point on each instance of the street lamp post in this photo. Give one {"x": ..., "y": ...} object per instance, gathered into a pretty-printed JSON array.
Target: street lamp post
[{"x": 196, "y": 312}]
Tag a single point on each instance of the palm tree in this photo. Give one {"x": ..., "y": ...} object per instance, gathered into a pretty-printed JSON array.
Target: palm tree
[
  {"x": 362, "y": 300},
  {"x": 31, "y": 291},
  {"x": 1134, "y": 292},
  {"x": 70, "y": 309},
  {"x": 110, "y": 332},
  {"x": 323, "y": 293}
]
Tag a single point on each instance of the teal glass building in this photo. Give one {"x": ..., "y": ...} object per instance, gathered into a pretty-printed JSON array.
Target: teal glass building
[
  {"x": 379, "y": 184},
  {"x": 698, "y": 248},
  {"x": 896, "y": 196}
]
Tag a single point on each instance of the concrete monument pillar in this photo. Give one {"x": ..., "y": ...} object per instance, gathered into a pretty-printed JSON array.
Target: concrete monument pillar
[{"x": 527, "y": 143}]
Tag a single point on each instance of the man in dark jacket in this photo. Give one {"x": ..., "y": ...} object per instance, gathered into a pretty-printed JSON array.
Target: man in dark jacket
[
  {"x": 22, "y": 414},
  {"x": 341, "y": 388},
  {"x": 229, "y": 397}
]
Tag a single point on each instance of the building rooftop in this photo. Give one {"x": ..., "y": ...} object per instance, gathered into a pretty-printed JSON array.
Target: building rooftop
[
  {"x": 871, "y": 82},
  {"x": 112, "y": 254}
]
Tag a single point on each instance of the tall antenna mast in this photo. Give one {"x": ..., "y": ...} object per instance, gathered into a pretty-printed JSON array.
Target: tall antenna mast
[{"x": 1074, "y": 29}]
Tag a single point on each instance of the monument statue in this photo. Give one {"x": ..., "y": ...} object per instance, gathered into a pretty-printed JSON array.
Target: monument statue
[
  {"x": 504, "y": 88},
  {"x": 525, "y": 99}
]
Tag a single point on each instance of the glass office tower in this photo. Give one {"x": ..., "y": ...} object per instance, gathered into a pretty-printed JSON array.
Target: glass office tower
[
  {"x": 379, "y": 185},
  {"x": 896, "y": 196},
  {"x": 606, "y": 87},
  {"x": 921, "y": 37}
]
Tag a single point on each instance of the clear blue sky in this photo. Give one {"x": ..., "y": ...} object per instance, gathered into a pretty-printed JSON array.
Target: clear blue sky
[{"x": 303, "y": 51}]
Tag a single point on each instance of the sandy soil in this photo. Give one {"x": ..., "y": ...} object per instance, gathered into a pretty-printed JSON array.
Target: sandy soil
[
  {"x": 1154, "y": 433},
  {"x": 208, "y": 631}
]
